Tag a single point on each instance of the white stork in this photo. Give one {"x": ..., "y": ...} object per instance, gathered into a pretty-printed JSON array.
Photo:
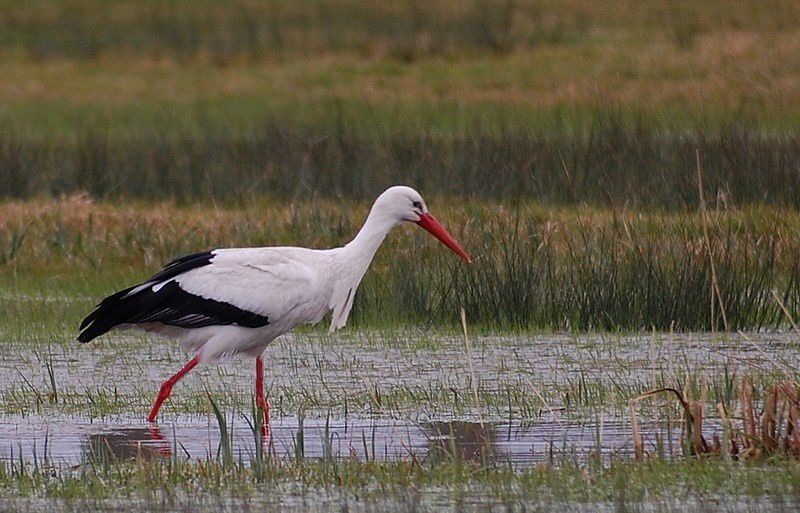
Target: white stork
[{"x": 237, "y": 300}]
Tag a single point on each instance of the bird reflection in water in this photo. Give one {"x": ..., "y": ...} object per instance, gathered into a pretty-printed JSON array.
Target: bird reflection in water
[
  {"x": 446, "y": 441},
  {"x": 466, "y": 441},
  {"x": 145, "y": 443}
]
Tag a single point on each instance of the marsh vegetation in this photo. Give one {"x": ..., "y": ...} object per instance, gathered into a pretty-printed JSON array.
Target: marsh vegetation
[{"x": 563, "y": 143}]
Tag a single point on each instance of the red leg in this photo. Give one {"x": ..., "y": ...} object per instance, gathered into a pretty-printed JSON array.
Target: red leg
[
  {"x": 261, "y": 401},
  {"x": 166, "y": 388}
]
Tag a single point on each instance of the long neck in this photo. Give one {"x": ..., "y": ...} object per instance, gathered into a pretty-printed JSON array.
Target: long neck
[
  {"x": 358, "y": 253},
  {"x": 352, "y": 262}
]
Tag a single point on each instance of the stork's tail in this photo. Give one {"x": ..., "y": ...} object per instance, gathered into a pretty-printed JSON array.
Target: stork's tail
[
  {"x": 112, "y": 311},
  {"x": 124, "y": 306}
]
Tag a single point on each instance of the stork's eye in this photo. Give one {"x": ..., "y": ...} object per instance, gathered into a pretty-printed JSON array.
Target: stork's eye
[{"x": 417, "y": 204}]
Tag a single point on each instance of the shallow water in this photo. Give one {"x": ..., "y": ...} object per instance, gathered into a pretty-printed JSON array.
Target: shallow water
[
  {"x": 347, "y": 390},
  {"x": 70, "y": 440},
  {"x": 333, "y": 367}
]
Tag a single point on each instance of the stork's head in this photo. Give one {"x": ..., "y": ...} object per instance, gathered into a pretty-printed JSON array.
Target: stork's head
[{"x": 405, "y": 204}]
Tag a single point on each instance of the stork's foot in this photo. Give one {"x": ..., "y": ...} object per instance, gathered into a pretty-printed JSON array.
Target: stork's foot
[
  {"x": 159, "y": 441},
  {"x": 155, "y": 433}
]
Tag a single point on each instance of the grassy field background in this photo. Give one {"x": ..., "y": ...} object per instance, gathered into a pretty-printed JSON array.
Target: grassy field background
[
  {"x": 561, "y": 141},
  {"x": 562, "y": 103}
]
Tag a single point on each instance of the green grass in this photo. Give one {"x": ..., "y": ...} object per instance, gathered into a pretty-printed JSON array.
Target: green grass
[
  {"x": 606, "y": 161},
  {"x": 401, "y": 485},
  {"x": 535, "y": 268}
]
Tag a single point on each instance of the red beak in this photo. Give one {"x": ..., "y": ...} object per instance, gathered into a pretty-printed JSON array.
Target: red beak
[{"x": 430, "y": 223}]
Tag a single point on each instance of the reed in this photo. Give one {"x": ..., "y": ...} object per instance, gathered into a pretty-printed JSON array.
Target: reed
[
  {"x": 609, "y": 161},
  {"x": 749, "y": 433},
  {"x": 535, "y": 267}
]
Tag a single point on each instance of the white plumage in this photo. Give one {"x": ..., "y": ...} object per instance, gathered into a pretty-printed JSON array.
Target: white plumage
[{"x": 289, "y": 286}]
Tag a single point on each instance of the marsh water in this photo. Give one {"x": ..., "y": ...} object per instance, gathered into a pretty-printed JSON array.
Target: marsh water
[
  {"x": 525, "y": 400},
  {"x": 74, "y": 440}
]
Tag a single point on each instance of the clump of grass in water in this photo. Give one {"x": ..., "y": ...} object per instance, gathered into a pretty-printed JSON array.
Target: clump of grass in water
[
  {"x": 225, "y": 439},
  {"x": 261, "y": 436},
  {"x": 772, "y": 432}
]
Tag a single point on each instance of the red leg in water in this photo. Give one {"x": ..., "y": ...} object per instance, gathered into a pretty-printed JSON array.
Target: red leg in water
[
  {"x": 160, "y": 443},
  {"x": 261, "y": 401},
  {"x": 166, "y": 388}
]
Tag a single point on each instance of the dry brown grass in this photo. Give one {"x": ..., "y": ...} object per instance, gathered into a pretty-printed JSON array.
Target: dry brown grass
[
  {"x": 748, "y": 433},
  {"x": 651, "y": 55},
  {"x": 303, "y": 220}
]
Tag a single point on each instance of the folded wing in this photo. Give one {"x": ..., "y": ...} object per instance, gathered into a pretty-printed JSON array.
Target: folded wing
[{"x": 249, "y": 287}]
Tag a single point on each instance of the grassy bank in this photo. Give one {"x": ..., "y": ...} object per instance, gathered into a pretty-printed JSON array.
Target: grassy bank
[
  {"x": 328, "y": 485},
  {"x": 536, "y": 267}
]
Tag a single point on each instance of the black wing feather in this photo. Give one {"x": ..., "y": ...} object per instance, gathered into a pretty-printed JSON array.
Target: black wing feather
[
  {"x": 169, "y": 304},
  {"x": 182, "y": 264}
]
